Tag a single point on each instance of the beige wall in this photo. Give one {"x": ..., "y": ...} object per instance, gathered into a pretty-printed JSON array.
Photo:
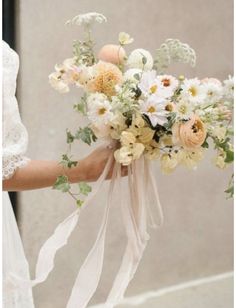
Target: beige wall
[{"x": 196, "y": 239}]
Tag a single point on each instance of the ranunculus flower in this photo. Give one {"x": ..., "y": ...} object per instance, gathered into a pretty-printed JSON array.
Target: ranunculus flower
[
  {"x": 112, "y": 53},
  {"x": 106, "y": 77},
  {"x": 190, "y": 134}
]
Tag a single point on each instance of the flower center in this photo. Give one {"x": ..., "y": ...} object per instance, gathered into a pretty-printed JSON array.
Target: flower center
[
  {"x": 153, "y": 89},
  {"x": 193, "y": 91},
  {"x": 151, "y": 109},
  {"x": 166, "y": 82},
  {"x": 102, "y": 111},
  {"x": 169, "y": 107},
  {"x": 183, "y": 109}
]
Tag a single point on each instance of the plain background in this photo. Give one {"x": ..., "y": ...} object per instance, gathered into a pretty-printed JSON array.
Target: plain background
[{"x": 197, "y": 237}]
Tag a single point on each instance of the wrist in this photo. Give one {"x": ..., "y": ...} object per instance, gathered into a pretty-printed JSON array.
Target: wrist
[{"x": 78, "y": 173}]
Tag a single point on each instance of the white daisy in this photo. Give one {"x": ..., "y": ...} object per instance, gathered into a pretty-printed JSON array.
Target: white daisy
[
  {"x": 169, "y": 82},
  {"x": 151, "y": 85},
  {"x": 213, "y": 92},
  {"x": 183, "y": 110},
  {"x": 228, "y": 88},
  {"x": 193, "y": 91},
  {"x": 99, "y": 109},
  {"x": 155, "y": 110}
]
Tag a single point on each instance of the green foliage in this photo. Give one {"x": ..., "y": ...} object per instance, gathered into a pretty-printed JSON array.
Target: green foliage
[
  {"x": 69, "y": 137},
  {"x": 83, "y": 52},
  {"x": 67, "y": 162},
  {"x": 81, "y": 106},
  {"x": 79, "y": 202},
  {"x": 225, "y": 145},
  {"x": 230, "y": 189},
  {"x": 62, "y": 184},
  {"x": 86, "y": 135},
  {"x": 84, "y": 188}
]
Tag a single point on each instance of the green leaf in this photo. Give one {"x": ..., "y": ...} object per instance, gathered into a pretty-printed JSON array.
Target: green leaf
[
  {"x": 144, "y": 60},
  {"x": 84, "y": 188},
  {"x": 67, "y": 162},
  {"x": 229, "y": 156},
  {"x": 86, "y": 135},
  {"x": 62, "y": 183},
  {"x": 205, "y": 144},
  {"x": 79, "y": 202},
  {"x": 137, "y": 76},
  {"x": 69, "y": 137},
  {"x": 230, "y": 189},
  {"x": 81, "y": 106}
]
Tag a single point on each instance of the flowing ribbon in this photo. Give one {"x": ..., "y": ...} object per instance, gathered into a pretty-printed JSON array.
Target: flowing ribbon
[{"x": 141, "y": 185}]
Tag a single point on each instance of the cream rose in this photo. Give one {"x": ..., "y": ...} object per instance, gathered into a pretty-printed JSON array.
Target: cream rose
[{"x": 190, "y": 134}]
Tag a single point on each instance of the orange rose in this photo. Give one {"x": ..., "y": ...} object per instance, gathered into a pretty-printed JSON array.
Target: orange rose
[{"x": 191, "y": 134}]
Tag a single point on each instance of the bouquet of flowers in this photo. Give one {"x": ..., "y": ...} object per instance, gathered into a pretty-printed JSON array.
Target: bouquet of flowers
[
  {"x": 130, "y": 99},
  {"x": 150, "y": 115}
]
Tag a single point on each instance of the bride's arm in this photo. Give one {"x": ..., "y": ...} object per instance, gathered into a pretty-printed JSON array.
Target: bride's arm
[{"x": 40, "y": 174}]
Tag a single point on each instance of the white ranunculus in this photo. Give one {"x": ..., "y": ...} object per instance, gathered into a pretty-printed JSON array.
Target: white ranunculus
[{"x": 140, "y": 58}]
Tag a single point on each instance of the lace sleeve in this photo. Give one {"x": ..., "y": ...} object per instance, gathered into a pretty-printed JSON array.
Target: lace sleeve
[{"x": 15, "y": 137}]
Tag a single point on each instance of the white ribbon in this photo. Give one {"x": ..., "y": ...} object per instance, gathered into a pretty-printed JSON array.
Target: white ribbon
[{"x": 141, "y": 184}]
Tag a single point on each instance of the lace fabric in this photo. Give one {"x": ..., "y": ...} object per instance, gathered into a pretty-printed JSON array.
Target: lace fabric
[
  {"x": 15, "y": 137},
  {"x": 15, "y": 140}
]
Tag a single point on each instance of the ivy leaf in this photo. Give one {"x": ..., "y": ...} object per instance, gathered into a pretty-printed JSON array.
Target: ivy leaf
[
  {"x": 79, "y": 202},
  {"x": 81, "y": 106},
  {"x": 84, "y": 188},
  {"x": 62, "y": 183},
  {"x": 86, "y": 135},
  {"x": 205, "y": 145},
  {"x": 229, "y": 156},
  {"x": 230, "y": 189},
  {"x": 67, "y": 162},
  {"x": 69, "y": 137}
]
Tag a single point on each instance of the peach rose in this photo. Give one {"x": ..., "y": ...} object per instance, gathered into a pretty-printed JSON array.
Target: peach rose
[
  {"x": 191, "y": 134},
  {"x": 112, "y": 53}
]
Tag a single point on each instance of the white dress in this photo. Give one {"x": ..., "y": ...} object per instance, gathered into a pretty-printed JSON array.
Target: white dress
[{"x": 15, "y": 141}]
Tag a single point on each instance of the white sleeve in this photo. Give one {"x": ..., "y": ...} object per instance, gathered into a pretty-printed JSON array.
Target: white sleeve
[{"x": 15, "y": 137}]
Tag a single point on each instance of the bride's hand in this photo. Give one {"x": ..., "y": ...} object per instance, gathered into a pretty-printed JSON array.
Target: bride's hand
[{"x": 94, "y": 163}]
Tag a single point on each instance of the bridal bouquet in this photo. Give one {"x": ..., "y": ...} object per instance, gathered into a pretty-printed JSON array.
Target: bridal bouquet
[{"x": 130, "y": 100}]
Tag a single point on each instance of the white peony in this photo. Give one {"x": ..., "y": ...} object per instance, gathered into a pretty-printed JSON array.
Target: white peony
[{"x": 140, "y": 58}]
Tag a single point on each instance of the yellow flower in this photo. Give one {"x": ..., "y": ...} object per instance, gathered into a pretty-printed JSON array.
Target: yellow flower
[
  {"x": 190, "y": 158},
  {"x": 127, "y": 138},
  {"x": 146, "y": 135},
  {"x": 125, "y": 38},
  {"x": 117, "y": 126},
  {"x": 126, "y": 154},
  {"x": 152, "y": 150},
  {"x": 123, "y": 156},
  {"x": 107, "y": 76},
  {"x": 169, "y": 162},
  {"x": 219, "y": 160}
]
